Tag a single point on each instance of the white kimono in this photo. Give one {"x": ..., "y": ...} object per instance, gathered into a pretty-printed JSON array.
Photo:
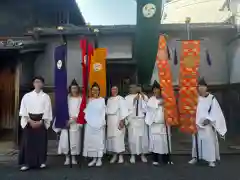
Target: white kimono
[
  {"x": 94, "y": 139},
  {"x": 33, "y": 150},
  {"x": 36, "y": 103},
  {"x": 116, "y": 111},
  {"x": 75, "y": 129},
  {"x": 208, "y": 147},
  {"x": 157, "y": 129},
  {"x": 137, "y": 128}
]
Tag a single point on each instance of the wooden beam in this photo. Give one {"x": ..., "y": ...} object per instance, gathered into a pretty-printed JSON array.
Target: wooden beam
[{"x": 16, "y": 102}]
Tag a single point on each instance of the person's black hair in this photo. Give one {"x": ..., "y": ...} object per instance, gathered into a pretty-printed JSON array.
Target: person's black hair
[
  {"x": 73, "y": 83},
  {"x": 156, "y": 85},
  {"x": 114, "y": 85},
  {"x": 202, "y": 82},
  {"x": 38, "y": 78},
  {"x": 97, "y": 86}
]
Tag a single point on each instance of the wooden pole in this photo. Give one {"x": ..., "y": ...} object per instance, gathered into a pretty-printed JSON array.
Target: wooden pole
[
  {"x": 189, "y": 37},
  {"x": 87, "y": 94},
  {"x": 168, "y": 144},
  {"x": 68, "y": 128},
  {"x": 18, "y": 71}
]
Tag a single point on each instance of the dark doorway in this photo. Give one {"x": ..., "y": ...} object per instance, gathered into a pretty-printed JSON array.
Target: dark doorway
[
  {"x": 120, "y": 75},
  {"x": 8, "y": 62}
]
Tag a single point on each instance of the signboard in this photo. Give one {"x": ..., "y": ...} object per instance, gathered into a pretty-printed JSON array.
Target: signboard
[{"x": 10, "y": 43}]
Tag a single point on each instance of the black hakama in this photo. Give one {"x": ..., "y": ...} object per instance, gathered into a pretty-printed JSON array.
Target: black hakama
[{"x": 33, "y": 150}]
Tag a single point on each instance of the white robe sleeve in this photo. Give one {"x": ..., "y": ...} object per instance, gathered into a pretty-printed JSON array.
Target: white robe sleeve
[
  {"x": 47, "y": 114},
  {"x": 150, "y": 113},
  {"x": 95, "y": 113},
  {"x": 123, "y": 109},
  {"x": 56, "y": 130},
  {"x": 129, "y": 104},
  {"x": 23, "y": 112},
  {"x": 144, "y": 104},
  {"x": 104, "y": 111},
  {"x": 152, "y": 103},
  {"x": 217, "y": 118}
]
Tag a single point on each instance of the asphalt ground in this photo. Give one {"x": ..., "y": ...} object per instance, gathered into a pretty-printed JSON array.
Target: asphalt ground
[{"x": 228, "y": 169}]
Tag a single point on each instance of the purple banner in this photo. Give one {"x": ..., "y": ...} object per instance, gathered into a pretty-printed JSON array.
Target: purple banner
[{"x": 61, "y": 92}]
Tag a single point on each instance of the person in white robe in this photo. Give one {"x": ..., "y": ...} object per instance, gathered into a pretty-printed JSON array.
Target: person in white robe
[
  {"x": 94, "y": 138},
  {"x": 116, "y": 114},
  {"x": 74, "y": 102},
  {"x": 158, "y": 142},
  {"x": 36, "y": 117},
  {"x": 137, "y": 128},
  {"x": 210, "y": 122}
]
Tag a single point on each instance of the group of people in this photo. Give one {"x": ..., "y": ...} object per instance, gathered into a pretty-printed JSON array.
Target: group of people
[{"x": 139, "y": 117}]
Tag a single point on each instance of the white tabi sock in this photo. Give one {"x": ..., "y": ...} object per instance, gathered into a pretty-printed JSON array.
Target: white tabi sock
[
  {"x": 24, "y": 168},
  {"x": 74, "y": 161},
  {"x": 99, "y": 162},
  {"x": 92, "y": 162},
  {"x": 193, "y": 161},
  {"x": 211, "y": 164},
  {"x": 67, "y": 161},
  {"x": 132, "y": 159},
  {"x": 114, "y": 159},
  {"x": 143, "y": 158},
  {"x": 121, "y": 159}
]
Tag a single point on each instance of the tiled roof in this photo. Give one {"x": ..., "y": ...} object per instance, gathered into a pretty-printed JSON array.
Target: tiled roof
[{"x": 129, "y": 29}]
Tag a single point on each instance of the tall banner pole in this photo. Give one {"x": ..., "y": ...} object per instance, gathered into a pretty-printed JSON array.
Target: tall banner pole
[
  {"x": 68, "y": 126},
  {"x": 165, "y": 79},
  {"x": 86, "y": 58},
  {"x": 61, "y": 92},
  {"x": 196, "y": 134},
  {"x": 188, "y": 95}
]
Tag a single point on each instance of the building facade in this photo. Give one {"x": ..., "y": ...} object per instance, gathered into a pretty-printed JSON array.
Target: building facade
[
  {"x": 218, "y": 11},
  {"x": 18, "y": 51},
  {"x": 33, "y": 55}
]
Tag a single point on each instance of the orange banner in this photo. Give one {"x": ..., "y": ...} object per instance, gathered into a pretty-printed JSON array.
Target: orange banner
[
  {"x": 188, "y": 95},
  {"x": 98, "y": 70},
  {"x": 165, "y": 79}
]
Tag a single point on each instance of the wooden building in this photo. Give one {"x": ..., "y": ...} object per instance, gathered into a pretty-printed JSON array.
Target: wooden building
[
  {"x": 219, "y": 39},
  {"x": 18, "y": 52},
  {"x": 33, "y": 55}
]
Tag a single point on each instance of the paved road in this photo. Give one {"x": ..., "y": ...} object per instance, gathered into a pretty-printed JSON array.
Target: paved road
[{"x": 227, "y": 170}]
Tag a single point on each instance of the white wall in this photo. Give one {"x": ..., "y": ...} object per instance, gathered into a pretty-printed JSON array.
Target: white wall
[
  {"x": 215, "y": 74},
  {"x": 118, "y": 46},
  {"x": 74, "y": 59},
  {"x": 44, "y": 64},
  {"x": 200, "y": 11},
  {"x": 234, "y": 55}
]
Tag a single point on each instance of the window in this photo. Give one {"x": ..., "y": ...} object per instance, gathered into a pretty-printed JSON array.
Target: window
[{"x": 62, "y": 17}]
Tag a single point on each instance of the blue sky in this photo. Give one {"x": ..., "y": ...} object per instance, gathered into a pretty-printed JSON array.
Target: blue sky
[{"x": 108, "y": 12}]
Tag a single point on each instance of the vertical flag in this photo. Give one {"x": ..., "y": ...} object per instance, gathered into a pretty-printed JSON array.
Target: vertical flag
[
  {"x": 61, "y": 93},
  {"x": 87, "y": 52},
  {"x": 146, "y": 37},
  {"x": 165, "y": 79},
  {"x": 188, "y": 96},
  {"x": 175, "y": 61},
  {"x": 98, "y": 70},
  {"x": 208, "y": 58},
  {"x": 168, "y": 53}
]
